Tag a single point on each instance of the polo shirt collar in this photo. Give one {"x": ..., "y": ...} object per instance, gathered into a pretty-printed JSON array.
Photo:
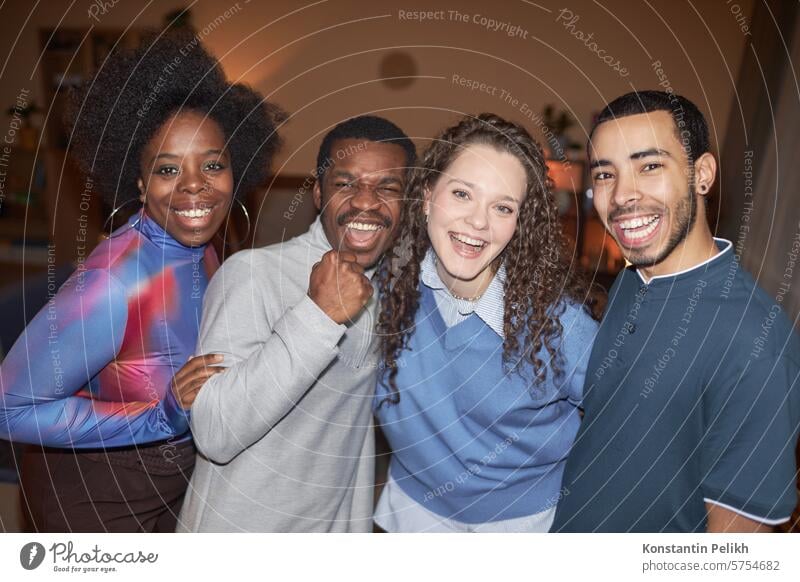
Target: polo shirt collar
[
  {"x": 717, "y": 263},
  {"x": 489, "y": 307}
]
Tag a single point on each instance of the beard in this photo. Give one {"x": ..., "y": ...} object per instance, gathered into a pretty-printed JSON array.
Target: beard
[{"x": 682, "y": 217}]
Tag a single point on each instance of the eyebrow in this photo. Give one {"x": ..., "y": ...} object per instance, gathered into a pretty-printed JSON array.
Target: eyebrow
[
  {"x": 650, "y": 152},
  {"x": 507, "y": 197},
  {"x": 634, "y": 156},
  {"x": 467, "y": 184},
  {"x": 174, "y": 156},
  {"x": 349, "y": 176}
]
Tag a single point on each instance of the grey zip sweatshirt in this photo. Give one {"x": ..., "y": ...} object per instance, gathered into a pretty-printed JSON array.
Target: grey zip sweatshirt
[{"x": 284, "y": 435}]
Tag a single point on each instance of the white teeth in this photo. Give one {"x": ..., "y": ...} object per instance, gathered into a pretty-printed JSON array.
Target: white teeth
[
  {"x": 194, "y": 212},
  {"x": 638, "y": 222},
  {"x": 363, "y": 226},
  {"x": 651, "y": 227},
  {"x": 470, "y": 241}
]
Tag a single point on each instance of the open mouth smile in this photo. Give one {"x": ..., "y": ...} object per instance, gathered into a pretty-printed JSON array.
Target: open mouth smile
[
  {"x": 199, "y": 216},
  {"x": 364, "y": 226},
  {"x": 194, "y": 212},
  {"x": 467, "y": 246},
  {"x": 637, "y": 231},
  {"x": 361, "y": 235}
]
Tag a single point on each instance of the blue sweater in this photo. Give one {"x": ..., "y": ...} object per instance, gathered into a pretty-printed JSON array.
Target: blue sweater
[{"x": 472, "y": 441}]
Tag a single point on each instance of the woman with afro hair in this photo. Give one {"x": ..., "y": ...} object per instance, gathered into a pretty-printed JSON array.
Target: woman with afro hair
[
  {"x": 485, "y": 335},
  {"x": 90, "y": 381}
]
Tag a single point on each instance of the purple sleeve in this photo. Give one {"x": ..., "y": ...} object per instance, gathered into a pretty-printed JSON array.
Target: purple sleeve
[{"x": 75, "y": 335}]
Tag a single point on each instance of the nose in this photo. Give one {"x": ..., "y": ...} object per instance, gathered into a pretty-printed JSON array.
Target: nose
[
  {"x": 191, "y": 181},
  {"x": 478, "y": 217},
  {"x": 626, "y": 190},
  {"x": 364, "y": 198}
]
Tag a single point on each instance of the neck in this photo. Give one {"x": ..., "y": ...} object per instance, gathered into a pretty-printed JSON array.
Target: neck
[
  {"x": 463, "y": 289},
  {"x": 696, "y": 248},
  {"x": 152, "y": 230}
]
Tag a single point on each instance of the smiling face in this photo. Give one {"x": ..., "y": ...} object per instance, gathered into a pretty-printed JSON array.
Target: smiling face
[
  {"x": 360, "y": 197},
  {"x": 187, "y": 183},
  {"x": 472, "y": 215},
  {"x": 643, "y": 191}
]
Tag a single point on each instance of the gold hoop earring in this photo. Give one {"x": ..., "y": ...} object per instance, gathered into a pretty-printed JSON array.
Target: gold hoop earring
[{"x": 115, "y": 211}]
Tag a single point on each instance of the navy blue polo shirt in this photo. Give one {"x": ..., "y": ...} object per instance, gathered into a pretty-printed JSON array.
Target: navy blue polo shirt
[{"x": 691, "y": 396}]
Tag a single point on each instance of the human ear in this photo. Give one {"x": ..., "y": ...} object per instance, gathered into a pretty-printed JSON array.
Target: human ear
[
  {"x": 317, "y": 193},
  {"x": 426, "y": 201},
  {"x": 705, "y": 171}
]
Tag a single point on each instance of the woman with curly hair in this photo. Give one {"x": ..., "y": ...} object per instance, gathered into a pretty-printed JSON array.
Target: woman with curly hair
[
  {"x": 484, "y": 338},
  {"x": 91, "y": 380}
]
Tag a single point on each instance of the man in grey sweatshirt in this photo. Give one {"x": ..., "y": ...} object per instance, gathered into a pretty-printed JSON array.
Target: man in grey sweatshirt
[{"x": 284, "y": 430}]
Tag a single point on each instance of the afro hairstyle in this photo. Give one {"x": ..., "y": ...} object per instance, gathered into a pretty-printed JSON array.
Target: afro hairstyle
[{"x": 113, "y": 115}]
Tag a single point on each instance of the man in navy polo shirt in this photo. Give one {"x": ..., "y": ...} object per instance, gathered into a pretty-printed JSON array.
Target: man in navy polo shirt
[{"x": 692, "y": 396}]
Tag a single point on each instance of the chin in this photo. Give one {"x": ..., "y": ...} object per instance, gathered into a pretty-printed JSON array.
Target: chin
[
  {"x": 458, "y": 272},
  {"x": 196, "y": 239},
  {"x": 368, "y": 261},
  {"x": 645, "y": 260},
  {"x": 651, "y": 254}
]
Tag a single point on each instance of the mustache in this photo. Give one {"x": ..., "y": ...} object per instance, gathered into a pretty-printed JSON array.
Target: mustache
[{"x": 369, "y": 215}]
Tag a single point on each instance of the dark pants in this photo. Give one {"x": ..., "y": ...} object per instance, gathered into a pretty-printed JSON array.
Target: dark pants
[{"x": 135, "y": 489}]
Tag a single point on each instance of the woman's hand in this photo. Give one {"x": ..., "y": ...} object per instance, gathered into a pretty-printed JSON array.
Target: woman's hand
[{"x": 188, "y": 381}]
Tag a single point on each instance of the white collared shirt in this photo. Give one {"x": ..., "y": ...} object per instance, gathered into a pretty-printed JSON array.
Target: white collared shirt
[{"x": 489, "y": 307}]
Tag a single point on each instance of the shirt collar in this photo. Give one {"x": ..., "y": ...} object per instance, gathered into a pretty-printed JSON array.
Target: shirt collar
[
  {"x": 153, "y": 232},
  {"x": 724, "y": 246},
  {"x": 316, "y": 237},
  {"x": 490, "y": 306}
]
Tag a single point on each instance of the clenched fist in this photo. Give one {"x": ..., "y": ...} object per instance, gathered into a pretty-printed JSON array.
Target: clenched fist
[{"x": 338, "y": 286}]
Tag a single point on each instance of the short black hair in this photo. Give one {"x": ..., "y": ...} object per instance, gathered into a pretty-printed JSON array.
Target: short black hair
[
  {"x": 113, "y": 115},
  {"x": 369, "y": 127},
  {"x": 690, "y": 124}
]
